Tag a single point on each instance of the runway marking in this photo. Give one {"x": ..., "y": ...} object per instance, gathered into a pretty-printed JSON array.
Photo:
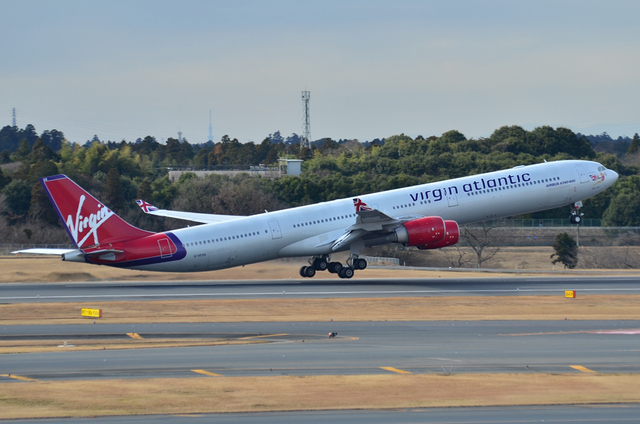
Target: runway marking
[
  {"x": 134, "y": 335},
  {"x": 17, "y": 377},
  {"x": 264, "y": 335},
  {"x": 581, "y": 368},
  {"x": 211, "y": 374},
  {"x": 396, "y": 370}
]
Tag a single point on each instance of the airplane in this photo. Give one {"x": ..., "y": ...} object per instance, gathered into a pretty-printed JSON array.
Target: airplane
[{"x": 426, "y": 216}]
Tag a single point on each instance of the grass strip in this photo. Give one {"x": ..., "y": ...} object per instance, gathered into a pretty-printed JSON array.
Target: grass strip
[
  {"x": 461, "y": 308},
  {"x": 87, "y": 398}
]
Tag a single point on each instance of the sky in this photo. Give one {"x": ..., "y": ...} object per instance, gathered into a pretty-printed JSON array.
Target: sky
[{"x": 128, "y": 69}]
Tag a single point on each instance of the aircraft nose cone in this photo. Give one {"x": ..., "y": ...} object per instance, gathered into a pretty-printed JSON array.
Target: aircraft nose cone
[{"x": 613, "y": 175}]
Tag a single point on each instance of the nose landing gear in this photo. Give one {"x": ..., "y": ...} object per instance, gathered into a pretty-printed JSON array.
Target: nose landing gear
[{"x": 575, "y": 217}]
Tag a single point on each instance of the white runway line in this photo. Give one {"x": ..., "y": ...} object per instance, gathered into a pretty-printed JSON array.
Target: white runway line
[{"x": 307, "y": 293}]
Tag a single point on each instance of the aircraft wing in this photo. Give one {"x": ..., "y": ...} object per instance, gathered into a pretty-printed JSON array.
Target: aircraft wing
[
  {"x": 369, "y": 221},
  {"x": 203, "y": 218}
]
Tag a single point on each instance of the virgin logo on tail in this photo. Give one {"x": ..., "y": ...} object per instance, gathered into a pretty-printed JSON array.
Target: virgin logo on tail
[{"x": 91, "y": 223}]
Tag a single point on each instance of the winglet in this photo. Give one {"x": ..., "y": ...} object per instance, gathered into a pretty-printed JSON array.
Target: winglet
[
  {"x": 360, "y": 205},
  {"x": 146, "y": 206}
]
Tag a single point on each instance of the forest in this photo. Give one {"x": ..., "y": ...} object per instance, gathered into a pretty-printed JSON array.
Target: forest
[{"x": 118, "y": 173}]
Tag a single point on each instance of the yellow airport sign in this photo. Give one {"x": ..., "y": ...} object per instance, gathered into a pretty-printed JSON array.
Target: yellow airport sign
[
  {"x": 93, "y": 313},
  {"x": 571, "y": 294}
]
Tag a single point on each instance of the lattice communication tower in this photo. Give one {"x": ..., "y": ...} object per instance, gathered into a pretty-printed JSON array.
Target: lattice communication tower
[{"x": 306, "y": 133}]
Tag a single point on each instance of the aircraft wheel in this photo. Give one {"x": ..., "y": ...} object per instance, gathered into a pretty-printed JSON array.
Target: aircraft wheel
[
  {"x": 334, "y": 267},
  {"x": 309, "y": 271},
  {"x": 346, "y": 272},
  {"x": 303, "y": 272},
  {"x": 320, "y": 264},
  {"x": 360, "y": 263}
]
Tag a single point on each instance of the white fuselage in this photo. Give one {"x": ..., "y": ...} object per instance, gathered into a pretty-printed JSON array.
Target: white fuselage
[{"x": 308, "y": 230}]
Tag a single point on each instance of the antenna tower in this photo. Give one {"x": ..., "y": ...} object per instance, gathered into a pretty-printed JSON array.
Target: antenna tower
[
  {"x": 180, "y": 136},
  {"x": 14, "y": 117},
  {"x": 306, "y": 134},
  {"x": 210, "y": 128}
]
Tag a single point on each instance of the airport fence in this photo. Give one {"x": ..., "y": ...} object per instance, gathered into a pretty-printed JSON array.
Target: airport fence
[
  {"x": 380, "y": 261},
  {"x": 545, "y": 236},
  {"x": 540, "y": 223}
]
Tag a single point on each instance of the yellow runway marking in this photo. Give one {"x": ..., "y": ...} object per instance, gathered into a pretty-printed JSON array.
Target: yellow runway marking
[
  {"x": 134, "y": 335},
  {"x": 395, "y": 370},
  {"x": 211, "y": 374},
  {"x": 17, "y": 377},
  {"x": 581, "y": 368},
  {"x": 264, "y": 335}
]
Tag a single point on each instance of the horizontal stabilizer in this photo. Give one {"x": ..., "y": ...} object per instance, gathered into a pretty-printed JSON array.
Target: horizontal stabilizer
[
  {"x": 203, "y": 218},
  {"x": 44, "y": 251}
]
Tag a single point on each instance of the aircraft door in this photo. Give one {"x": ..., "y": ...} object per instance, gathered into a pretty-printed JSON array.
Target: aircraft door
[
  {"x": 453, "y": 200},
  {"x": 275, "y": 230},
  {"x": 165, "y": 248},
  {"x": 584, "y": 177}
]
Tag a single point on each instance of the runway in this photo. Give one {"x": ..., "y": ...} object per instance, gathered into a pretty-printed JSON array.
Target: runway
[
  {"x": 601, "y": 414},
  {"x": 315, "y": 288},
  {"x": 359, "y": 348}
]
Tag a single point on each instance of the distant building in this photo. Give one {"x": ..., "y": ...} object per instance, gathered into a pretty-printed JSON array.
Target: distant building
[
  {"x": 290, "y": 166},
  {"x": 285, "y": 167}
]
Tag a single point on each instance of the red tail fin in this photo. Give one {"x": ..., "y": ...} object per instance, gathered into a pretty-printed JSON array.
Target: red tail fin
[{"x": 88, "y": 221}]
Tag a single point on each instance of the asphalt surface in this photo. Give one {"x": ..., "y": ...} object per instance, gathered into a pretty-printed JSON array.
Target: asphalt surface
[
  {"x": 358, "y": 348},
  {"x": 315, "y": 288},
  {"x": 601, "y": 414}
]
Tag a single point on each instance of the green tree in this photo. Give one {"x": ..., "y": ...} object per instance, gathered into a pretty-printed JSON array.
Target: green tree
[
  {"x": 4, "y": 180},
  {"x": 22, "y": 152},
  {"x": 635, "y": 144},
  {"x": 40, "y": 207},
  {"x": 566, "y": 251},
  {"x": 113, "y": 191},
  {"x": 624, "y": 206},
  {"x": 144, "y": 191},
  {"x": 17, "y": 197}
]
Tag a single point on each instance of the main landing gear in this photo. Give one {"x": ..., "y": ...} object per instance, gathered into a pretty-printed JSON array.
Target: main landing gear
[
  {"x": 322, "y": 263},
  {"x": 575, "y": 217}
]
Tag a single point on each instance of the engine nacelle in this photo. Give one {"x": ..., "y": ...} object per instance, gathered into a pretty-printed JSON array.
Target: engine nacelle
[
  {"x": 451, "y": 237},
  {"x": 421, "y": 231}
]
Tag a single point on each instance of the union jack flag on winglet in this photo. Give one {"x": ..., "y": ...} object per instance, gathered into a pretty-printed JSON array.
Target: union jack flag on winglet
[
  {"x": 360, "y": 205},
  {"x": 146, "y": 206}
]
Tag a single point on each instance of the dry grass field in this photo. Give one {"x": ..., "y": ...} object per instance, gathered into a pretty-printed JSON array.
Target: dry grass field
[
  {"x": 196, "y": 395},
  {"x": 457, "y": 308},
  {"x": 27, "y": 269},
  {"x": 31, "y": 269}
]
